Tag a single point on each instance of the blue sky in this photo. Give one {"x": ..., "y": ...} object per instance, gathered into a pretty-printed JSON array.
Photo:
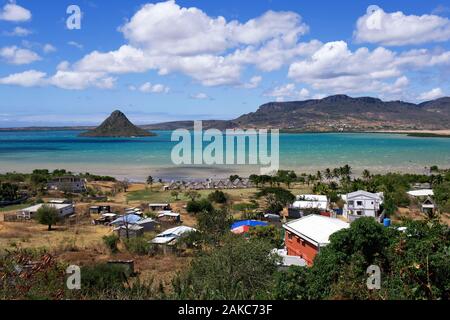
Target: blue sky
[{"x": 163, "y": 61}]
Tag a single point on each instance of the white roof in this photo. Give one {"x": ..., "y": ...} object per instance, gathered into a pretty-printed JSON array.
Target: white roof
[
  {"x": 310, "y": 205},
  {"x": 168, "y": 214},
  {"x": 362, "y": 193},
  {"x": 312, "y": 197},
  {"x": 421, "y": 193},
  {"x": 53, "y": 205},
  {"x": 144, "y": 221},
  {"x": 158, "y": 204},
  {"x": 315, "y": 228},
  {"x": 171, "y": 234}
]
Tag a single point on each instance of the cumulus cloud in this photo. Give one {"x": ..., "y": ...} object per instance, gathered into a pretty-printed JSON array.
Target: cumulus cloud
[
  {"x": 431, "y": 95},
  {"x": 14, "y": 13},
  {"x": 161, "y": 29},
  {"x": 48, "y": 48},
  {"x": 212, "y": 51},
  {"x": 288, "y": 91},
  {"x": 29, "y": 78},
  {"x": 396, "y": 28},
  {"x": 75, "y": 44},
  {"x": 18, "y": 56},
  {"x": 200, "y": 96},
  {"x": 19, "y": 32},
  {"x": 253, "y": 82},
  {"x": 153, "y": 88}
]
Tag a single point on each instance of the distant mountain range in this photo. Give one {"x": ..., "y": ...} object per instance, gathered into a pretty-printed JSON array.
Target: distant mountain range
[{"x": 334, "y": 113}]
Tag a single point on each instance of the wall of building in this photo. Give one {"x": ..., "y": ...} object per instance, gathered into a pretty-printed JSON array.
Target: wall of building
[{"x": 299, "y": 247}]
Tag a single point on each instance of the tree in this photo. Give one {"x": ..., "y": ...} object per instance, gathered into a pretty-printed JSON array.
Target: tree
[
  {"x": 150, "y": 180},
  {"x": 192, "y": 194},
  {"x": 214, "y": 224},
  {"x": 366, "y": 175},
  {"x": 276, "y": 198},
  {"x": 199, "y": 206},
  {"x": 218, "y": 197},
  {"x": 239, "y": 269},
  {"x": 8, "y": 191},
  {"x": 234, "y": 177},
  {"x": 271, "y": 233},
  {"x": 47, "y": 215},
  {"x": 175, "y": 194}
]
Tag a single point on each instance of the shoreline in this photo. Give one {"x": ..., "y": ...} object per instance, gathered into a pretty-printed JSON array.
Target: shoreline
[{"x": 189, "y": 173}]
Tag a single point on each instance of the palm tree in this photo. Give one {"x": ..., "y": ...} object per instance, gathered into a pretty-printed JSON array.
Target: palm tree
[
  {"x": 328, "y": 174},
  {"x": 366, "y": 175},
  {"x": 150, "y": 180},
  {"x": 319, "y": 176}
]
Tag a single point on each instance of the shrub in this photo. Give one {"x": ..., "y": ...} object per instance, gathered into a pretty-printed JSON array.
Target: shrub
[
  {"x": 199, "y": 206},
  {"x": 102, "y": 277},
  {"x": 111, "y": 242},
  {"x": 138, "y": 245},
  {"x": 218, "y": 197}
]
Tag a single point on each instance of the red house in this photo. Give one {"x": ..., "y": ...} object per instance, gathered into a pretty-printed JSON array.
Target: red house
[{"x": 306, "y": 236}]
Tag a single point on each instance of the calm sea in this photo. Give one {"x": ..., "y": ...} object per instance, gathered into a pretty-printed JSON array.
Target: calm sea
[{"x": 137, "y": 158}]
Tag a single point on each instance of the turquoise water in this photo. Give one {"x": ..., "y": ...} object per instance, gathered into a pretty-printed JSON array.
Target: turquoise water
[{"x": 138, "y": 157}]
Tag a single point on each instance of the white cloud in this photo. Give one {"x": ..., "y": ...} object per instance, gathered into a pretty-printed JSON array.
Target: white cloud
[
  {"x": 153, "y": 88},
  {"x": 73, "y": 80},
  {"x": 29, "y": 78},
  {"x": 396, "y": 29},
  {"x": 212, "y": 51},
  {"x": 253, "y": 83},
  {"x": 14, "y": 13},
  {"x": 48, "y": 48},
  {"x": 19, "y": 32},
  {"x": 200, "y": 96},
  {"x": 16, "y": 55},
  {"x": 75, "y": 44},
  {"x": 431, "y": 95},
  {"x": 288, "y": 91},
  {"x": 161, "y": 29}
]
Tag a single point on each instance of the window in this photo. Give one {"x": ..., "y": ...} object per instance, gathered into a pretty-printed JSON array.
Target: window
[
  {"x": 351, "y": 203},
  {"x": 359, "y": 203},
  {"x": 359, "y": 213},
  {"x": 289, "y": 236}
]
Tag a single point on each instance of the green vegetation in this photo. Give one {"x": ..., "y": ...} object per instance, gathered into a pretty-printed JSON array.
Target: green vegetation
[
  {"x": 239, "y": 269},
  {"x": 111, "y": 242},
  {"x": 202, "y": 205},
  {"x": 48, "y": 216},
  {"x": 414, "y": 264},
  {"x": 218, "y": 197},
  {"x": 137, "y": 245}
]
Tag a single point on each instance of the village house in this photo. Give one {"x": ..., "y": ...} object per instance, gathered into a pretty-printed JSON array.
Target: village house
[
  {"x": 307, "y": 202},
  {"x": 305, "y": 237},
  {"x": 362, "y": 204},
  {"x": 129, "y": 231},
  {"x": 159, "y": 206},
  {"x": 69, "y": 184},
  {"x": 64, "y": 210}
]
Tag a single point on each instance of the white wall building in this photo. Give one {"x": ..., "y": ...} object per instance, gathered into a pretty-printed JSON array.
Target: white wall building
[
  {"x": 63, "y": 210},
  {"x": 362, "y": 204}
]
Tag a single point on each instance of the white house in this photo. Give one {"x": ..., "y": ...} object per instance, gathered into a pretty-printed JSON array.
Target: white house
[
  {"x": 63, "y": 210},
  {"x": 362, "y": 204},
  {"x": 307, "y": 202}
]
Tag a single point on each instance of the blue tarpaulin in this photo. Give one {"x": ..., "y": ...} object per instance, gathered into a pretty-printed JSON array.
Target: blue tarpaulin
[
  {"x": 248, "y": 223},
  {"x": 131, "y": 218}
]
